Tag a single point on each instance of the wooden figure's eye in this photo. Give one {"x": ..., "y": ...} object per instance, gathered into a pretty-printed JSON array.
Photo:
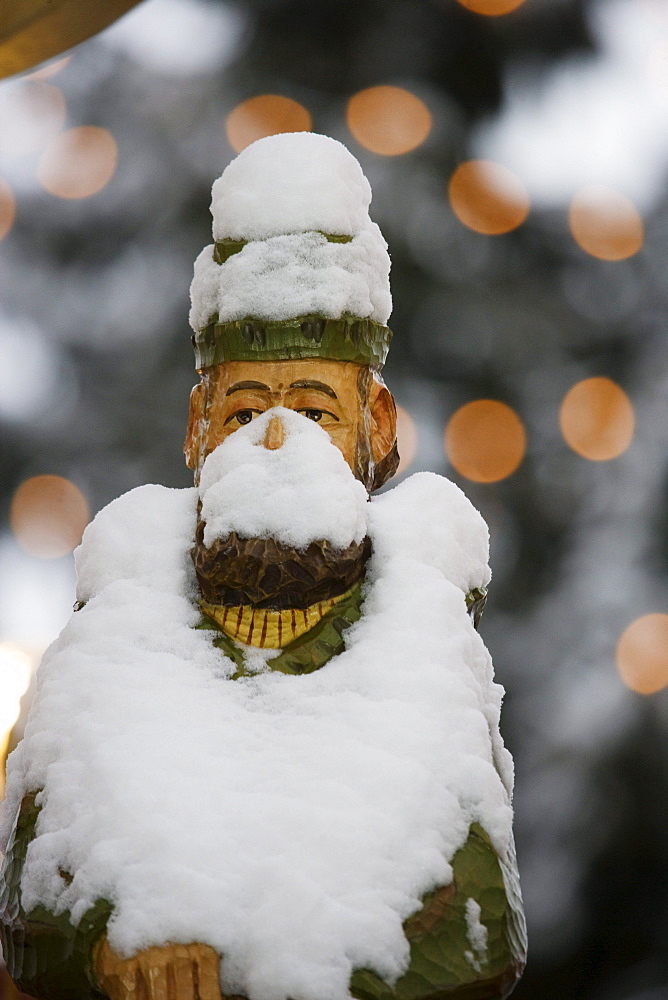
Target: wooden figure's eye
[
  {"x": 316, "y": 415},
  {"x": 243, "y": 416}
]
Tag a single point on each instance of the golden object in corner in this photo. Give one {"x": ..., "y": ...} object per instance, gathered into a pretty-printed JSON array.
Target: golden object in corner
[{"x": 35, "y": 30}]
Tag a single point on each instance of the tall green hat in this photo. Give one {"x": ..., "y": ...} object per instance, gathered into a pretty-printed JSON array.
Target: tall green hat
[{"x": 298, "y": 269}]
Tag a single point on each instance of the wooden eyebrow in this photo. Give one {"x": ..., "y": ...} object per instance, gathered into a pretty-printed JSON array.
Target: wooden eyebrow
[
  {"x": 312, "y": 384},
  {"x": 239, "y": 386}
]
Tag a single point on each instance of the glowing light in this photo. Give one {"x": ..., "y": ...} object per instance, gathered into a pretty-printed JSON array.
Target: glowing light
[
  {"x": 267, "y": 114},
  {"x": 642, "y": 654},
  {"x": 15, "y": 673},
  {"x": 406, "y": 438},
  {"x": 657, "y": 8},
  {"x": 79, "y": 162},
  {"x": 605, "y": 223},
  {"x": 485, "y": 440},
  {"x": 30, "y": 115},
  {"x": 388, "y": 120},
  {"x": 46, "y": 72},
  {"x": 488, "y": 197},
  {"x": 657, "y": 69},
  {"x": 597, "y": 419},
  {"x": 7, "y": 208},
  {"x": 48, "y": 515},
  {"x": 492, "y": 8}
]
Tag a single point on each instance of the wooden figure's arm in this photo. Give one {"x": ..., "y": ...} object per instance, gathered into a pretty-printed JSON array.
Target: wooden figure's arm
[
  {"x": 169, "y": 972},
  {"x": 46, "y": 956}
]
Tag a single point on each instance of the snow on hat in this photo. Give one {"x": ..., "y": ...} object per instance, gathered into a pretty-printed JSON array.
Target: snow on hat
[{"x": 298, "y": 269}]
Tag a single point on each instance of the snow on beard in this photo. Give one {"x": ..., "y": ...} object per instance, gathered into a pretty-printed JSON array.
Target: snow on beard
[{"x": 282, "y": 527}]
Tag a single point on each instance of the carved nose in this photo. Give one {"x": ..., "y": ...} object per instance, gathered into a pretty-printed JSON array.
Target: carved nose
[{"x": 275, "y": 435}]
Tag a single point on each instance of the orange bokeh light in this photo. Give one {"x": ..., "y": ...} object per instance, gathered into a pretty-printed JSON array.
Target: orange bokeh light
[
  {"x": 597, "y": 419},
  {"x": 485, "y": 440},
  {"x": 7, "y": 208},
  {"x": 388, "y": 120},
  {"x": 493, "y": 8},
  {"x": 605, "y": 224},
  {"x": 488, "y": 197},
  {"x": 48, "y": 515},
  {"x": 267, "y": 114},
  {"x": 406, "y": 438},
  {"x": 642, "y": 654},
  {"x": 30, "y": 115},
  {"x": 46, "y": 72},
  {"x": 79, "y": 162}
]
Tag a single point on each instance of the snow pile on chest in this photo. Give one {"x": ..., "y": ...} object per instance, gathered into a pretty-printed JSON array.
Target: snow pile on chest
[
  {"x": 297, "y": 494},
  {"x": 282, "y": 195},
  {"x": 292, "y": 823}
]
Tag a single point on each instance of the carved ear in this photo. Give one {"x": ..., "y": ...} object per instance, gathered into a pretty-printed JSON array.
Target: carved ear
[
  {"x": 383, "y": 420},
  {"x": 193, "y": 442}
]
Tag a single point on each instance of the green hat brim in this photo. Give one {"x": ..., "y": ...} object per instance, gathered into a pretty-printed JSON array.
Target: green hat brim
[{"x": 349, "y": 338}]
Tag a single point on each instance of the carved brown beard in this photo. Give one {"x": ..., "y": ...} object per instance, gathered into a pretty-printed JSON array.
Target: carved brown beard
[{"x": 268, "y": 574}]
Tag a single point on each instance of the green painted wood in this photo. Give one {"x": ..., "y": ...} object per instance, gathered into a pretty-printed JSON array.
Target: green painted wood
[
  {"x": 227, "y": 247},
  {"x": 348, "y": 338},
  {"x": 311, "y": 650},
  {"x": 442, "y": 965},
  {"x": 46, "y": 956},
  {"x": 475, "y": 604},
  {"x": 50, "y": 959},
  {"x": 317, "y": 646}
]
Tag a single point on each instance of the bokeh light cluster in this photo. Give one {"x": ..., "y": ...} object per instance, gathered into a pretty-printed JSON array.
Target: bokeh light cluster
[
  {"x": 389, "y": 121},
  {"x": 485, "y": 196},
  {"x": 69, "y": 163},
  {"x": 485, "y": 440}
]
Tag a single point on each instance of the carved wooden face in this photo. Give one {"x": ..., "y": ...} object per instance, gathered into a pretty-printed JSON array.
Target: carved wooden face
[{"x": 346, "y": 399}]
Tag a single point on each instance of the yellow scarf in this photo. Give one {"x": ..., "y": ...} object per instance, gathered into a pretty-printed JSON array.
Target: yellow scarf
[{"x": 265, "y": 627}]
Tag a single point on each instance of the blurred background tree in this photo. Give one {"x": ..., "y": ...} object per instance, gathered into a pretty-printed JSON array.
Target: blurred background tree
[{"x": 518, "y": 154}]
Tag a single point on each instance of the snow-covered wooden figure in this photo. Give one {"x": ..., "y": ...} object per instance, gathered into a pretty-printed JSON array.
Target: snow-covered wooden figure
[{"x": 264, "y": 758}]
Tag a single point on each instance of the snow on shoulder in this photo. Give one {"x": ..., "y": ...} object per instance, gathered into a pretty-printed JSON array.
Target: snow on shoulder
[
  {"x": 292, "y": 823},
  {"x": 282, "y": 197}
]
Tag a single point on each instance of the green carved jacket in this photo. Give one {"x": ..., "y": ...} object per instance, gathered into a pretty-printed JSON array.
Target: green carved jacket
[{"x": 51, "y": 959}]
